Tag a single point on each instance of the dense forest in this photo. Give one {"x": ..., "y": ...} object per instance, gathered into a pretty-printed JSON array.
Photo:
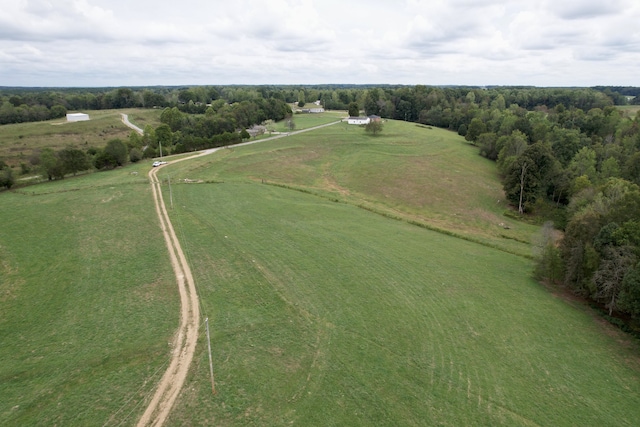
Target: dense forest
[{"x": 569, "y": 155}]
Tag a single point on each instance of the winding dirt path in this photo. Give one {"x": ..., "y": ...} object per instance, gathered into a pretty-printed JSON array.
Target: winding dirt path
[
  {"x": 186, "y": 338},
  {"x": 184, "y": 344}
]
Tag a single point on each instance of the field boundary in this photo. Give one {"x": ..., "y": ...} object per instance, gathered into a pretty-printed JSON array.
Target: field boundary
[{"x": 396, "y": 217}]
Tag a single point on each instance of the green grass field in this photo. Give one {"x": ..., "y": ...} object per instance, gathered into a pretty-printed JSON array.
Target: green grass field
[
  {"x": 332, "y": 300},
  {"x": 19, "y": 141},
  {"x": 88, "y": 301},
  {"x": 305, "y": 121},
  {"x": 429, "y": 176},
  {"x": 326, "y": 314}
]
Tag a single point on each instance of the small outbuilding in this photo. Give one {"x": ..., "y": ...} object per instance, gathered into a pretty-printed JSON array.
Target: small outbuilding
[
  {"x": 358, "y": 120},
  {"x": 77, "y": 117}
]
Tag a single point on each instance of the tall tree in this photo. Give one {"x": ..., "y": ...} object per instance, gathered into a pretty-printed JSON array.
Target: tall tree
[
  {"x": 51, "y": 164},
  {"x": 164, "y": 136},
  {"x": 629, "y": 297},
  {"x": 584, "y": 163},
  {"x": 615, "y": 263},
  {"x": 371, "y": 105},
  {"x": 73, "y": 160},
  {"x": 172, "y": 117},
  {"x": 112, "y": 155},
  {"x": 475, "y": 129},
  {"x": 354, "y": 110},
  {"x": 526, "y": 178}
]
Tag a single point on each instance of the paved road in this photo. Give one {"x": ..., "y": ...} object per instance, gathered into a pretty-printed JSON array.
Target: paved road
[
  {"x": 271, "y": 138},
  {"x": 186, "y": 337},
  {"x": 125, "y": 120}
]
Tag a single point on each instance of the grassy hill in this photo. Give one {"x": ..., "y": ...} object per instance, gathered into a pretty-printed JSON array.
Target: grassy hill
[
  {"x": 324, "y": 313},
  {"x": 349, "y": 280},
  {"x": 425, "y": 175},
  {"x": 19, "y": 141}
]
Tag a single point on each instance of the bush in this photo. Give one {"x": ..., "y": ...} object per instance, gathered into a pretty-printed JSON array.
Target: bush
[
  {"x": 149, "y": 152},
  {"x": 549, "y": 266},
  {"x": 179, "y": 148},
  {"x": 6, "y": 177},
  {"x": 117, "y": 151},
  {"x": 135, "y": 155},
  {"x": 57, "y": 111},
  {"x": 373, "y": 127}
]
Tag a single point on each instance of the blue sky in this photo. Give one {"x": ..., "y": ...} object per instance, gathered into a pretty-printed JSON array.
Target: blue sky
[{"x": 431, "y": 42}]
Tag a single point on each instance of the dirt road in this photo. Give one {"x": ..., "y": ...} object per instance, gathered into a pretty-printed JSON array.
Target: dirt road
[{"x": 184, "y": 343}]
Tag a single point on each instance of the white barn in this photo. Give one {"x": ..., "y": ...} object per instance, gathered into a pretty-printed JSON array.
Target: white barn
[
  {"x": 77, "y": 117},
  {"x": 358, "y": 120}
]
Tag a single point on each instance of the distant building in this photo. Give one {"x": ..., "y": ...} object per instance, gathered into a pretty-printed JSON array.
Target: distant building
[
  {"x": 77, "y": 117},
  {"x": 375, "y": 118},
  {"x": 358, "y": 120}
]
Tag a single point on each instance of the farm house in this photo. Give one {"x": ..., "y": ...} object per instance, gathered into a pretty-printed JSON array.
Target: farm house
[
  {"x": 358, "y": 120},
  {"x": 77, "y": 117}
]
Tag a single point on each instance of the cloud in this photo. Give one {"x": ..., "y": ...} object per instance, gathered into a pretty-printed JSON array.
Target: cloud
[
  {"x": 48, "y": 21},
  {"x": 584, "y": 9},
  {"x": 122, "y": 42}
]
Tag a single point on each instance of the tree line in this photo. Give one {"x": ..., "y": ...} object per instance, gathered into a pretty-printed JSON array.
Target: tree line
[
  {"x": 395, "y": 102},
  {"x": 190, "y": 126},
  {"x": 185, "y": 127}
]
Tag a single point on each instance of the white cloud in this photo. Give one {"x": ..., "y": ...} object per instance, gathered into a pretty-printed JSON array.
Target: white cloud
[
  {"x": 584, "y": 9},
  {"x": 127, "y": 42}
]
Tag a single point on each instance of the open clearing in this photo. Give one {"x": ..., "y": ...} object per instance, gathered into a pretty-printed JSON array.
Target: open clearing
[
  {"x": 325, "y": 314},
  {"x": 324, "y": 310},
  {"x": 429, "y": 176},
  {"x": 19, "y": 141}
]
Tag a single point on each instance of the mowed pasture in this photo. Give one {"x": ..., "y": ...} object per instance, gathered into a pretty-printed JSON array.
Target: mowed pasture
[
  {"x": 424, "y": 175},
  {"x": 325, "y": 309},
  {"x": 88, "y": 301},
  {"x": 18, "y": 142},
  {"x": 308, "y": 120},
  {"x": 325, "y": 314},
  {"x": 331, "y": 301}
]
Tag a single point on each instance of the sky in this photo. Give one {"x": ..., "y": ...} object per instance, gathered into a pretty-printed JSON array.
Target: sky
[{"x": 96, "y": 43}]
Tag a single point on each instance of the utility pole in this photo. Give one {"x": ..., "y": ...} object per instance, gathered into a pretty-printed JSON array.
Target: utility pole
[
  {"x": 213, "y": 384},
  {"x": 170, "y": 192}
]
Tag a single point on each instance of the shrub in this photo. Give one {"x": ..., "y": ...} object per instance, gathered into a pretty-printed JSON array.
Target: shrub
[{"x": 135, "y": 155}]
